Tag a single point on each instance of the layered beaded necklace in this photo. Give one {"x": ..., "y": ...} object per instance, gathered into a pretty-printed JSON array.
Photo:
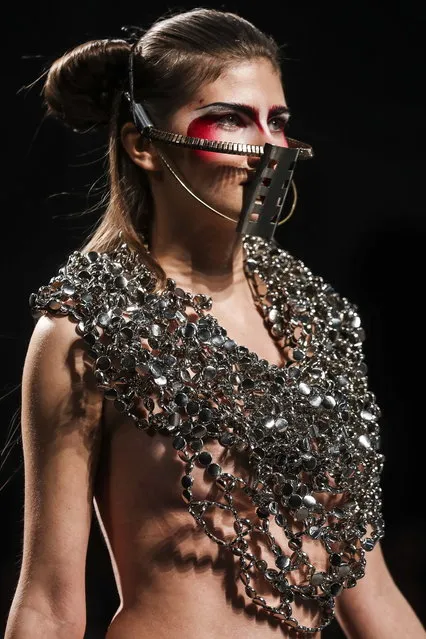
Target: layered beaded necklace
[{"x": 309, "y": 429}]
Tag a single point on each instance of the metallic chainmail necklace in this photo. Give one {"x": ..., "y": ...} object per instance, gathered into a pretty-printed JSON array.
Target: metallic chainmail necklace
[{"x": 309, "y": 429}]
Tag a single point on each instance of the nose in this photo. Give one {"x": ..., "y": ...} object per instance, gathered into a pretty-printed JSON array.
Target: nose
[
  {"x": 263, "y": 137},
  {"x": 253, "y": 161}
]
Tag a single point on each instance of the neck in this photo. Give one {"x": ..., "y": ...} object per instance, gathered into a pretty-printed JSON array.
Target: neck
[{"x": 199, "y": 256}]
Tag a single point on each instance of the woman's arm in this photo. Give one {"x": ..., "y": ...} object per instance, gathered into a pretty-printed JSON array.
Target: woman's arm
[
  {"x": 375, "y": 608},
  {"x": 61, "y": 416}
]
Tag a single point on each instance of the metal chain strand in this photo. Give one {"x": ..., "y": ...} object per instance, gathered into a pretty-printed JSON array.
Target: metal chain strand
[{"x": 309, "y": 428}]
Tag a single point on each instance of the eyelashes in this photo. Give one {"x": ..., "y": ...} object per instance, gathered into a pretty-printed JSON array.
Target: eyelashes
[{"x": 232, "y": 121}]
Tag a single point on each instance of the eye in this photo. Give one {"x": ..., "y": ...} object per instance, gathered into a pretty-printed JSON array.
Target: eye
[
  {"x": 230, "y": 121},
  {"x": 278, "y": 124}
]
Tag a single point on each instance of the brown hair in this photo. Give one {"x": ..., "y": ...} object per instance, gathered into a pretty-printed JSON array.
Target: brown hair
[{"x": 173, "y": 58}]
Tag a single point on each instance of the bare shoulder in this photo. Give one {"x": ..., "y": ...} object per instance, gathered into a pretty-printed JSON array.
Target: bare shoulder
[
  {"x": 58, "y": 335},
  {"x": 58, "y": 368}
]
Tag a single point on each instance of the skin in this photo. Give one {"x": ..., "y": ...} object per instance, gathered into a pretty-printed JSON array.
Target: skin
[{"x": 196, "y": 247}]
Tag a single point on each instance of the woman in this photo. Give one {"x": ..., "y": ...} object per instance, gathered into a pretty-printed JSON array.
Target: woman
[{"x": 259, "y": 410}]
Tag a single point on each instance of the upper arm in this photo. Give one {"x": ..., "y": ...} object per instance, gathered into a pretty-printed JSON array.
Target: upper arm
[
  {"x": 61, "y": 416},
  {"x": 376, "y": 607}
]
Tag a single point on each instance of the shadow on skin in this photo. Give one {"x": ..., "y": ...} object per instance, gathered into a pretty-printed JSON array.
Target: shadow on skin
[{"x": 169, "y": 556}]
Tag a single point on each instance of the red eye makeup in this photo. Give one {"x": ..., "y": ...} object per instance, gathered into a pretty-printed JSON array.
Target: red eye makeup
[{"x": 213, "y": 125}]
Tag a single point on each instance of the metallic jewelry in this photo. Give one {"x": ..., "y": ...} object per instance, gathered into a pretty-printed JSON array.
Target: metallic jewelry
[
  {"x": 211, "y": 208},
  {"x": 309, "y": 429},
  {"x": 202, "y": 144},
  {"x": 293, "y": 206}
]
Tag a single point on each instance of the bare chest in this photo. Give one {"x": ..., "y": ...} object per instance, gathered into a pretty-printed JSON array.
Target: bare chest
[{"x": 141, "y": 488}]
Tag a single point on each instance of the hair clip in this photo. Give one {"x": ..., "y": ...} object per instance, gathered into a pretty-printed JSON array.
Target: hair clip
[{"x": 132, "y": 33}]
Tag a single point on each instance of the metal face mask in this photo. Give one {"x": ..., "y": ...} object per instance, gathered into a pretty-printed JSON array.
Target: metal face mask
[{"x": 264, "y": 196}]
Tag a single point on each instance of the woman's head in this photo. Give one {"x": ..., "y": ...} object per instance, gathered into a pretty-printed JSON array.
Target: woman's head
[
  {"x": 181, "y": 64},
  {"x": 245, "y": 104}
]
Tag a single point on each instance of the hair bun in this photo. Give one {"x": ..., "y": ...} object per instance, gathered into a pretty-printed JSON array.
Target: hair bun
[{"x": 80, "y": 85}]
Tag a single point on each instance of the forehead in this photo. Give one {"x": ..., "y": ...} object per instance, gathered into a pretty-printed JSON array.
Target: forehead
[{"x": 255, "y": 82}]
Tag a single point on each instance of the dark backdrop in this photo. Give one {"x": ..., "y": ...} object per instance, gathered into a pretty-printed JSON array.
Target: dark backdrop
[{"x": 354, "y": 85}]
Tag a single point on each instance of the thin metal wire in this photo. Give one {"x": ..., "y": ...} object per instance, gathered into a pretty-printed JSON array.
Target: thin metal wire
[
  {"x": 293, "y": 206},
  {"x": 182, "y": 183}
]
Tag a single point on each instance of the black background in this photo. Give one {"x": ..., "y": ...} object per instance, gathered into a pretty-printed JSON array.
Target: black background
[{"x": 354, "y": 85}]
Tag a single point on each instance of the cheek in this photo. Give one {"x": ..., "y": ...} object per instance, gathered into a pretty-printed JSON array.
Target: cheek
[{"x": 205, "y": 128}]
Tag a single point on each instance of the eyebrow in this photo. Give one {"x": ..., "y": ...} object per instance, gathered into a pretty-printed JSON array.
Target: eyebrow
[{"x": 275, "y": 110}]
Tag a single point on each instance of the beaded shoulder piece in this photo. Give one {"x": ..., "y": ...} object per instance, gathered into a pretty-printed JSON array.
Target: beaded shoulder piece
[{"x": 309, "y": 429}]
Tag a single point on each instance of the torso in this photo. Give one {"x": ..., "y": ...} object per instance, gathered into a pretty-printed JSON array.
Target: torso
[
  {"x": 172, "y": 579},
  {"x": 309, "y": 430}
]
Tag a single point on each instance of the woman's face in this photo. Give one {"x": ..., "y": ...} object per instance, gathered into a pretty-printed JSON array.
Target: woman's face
[{"x": 245, "y": 104}]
